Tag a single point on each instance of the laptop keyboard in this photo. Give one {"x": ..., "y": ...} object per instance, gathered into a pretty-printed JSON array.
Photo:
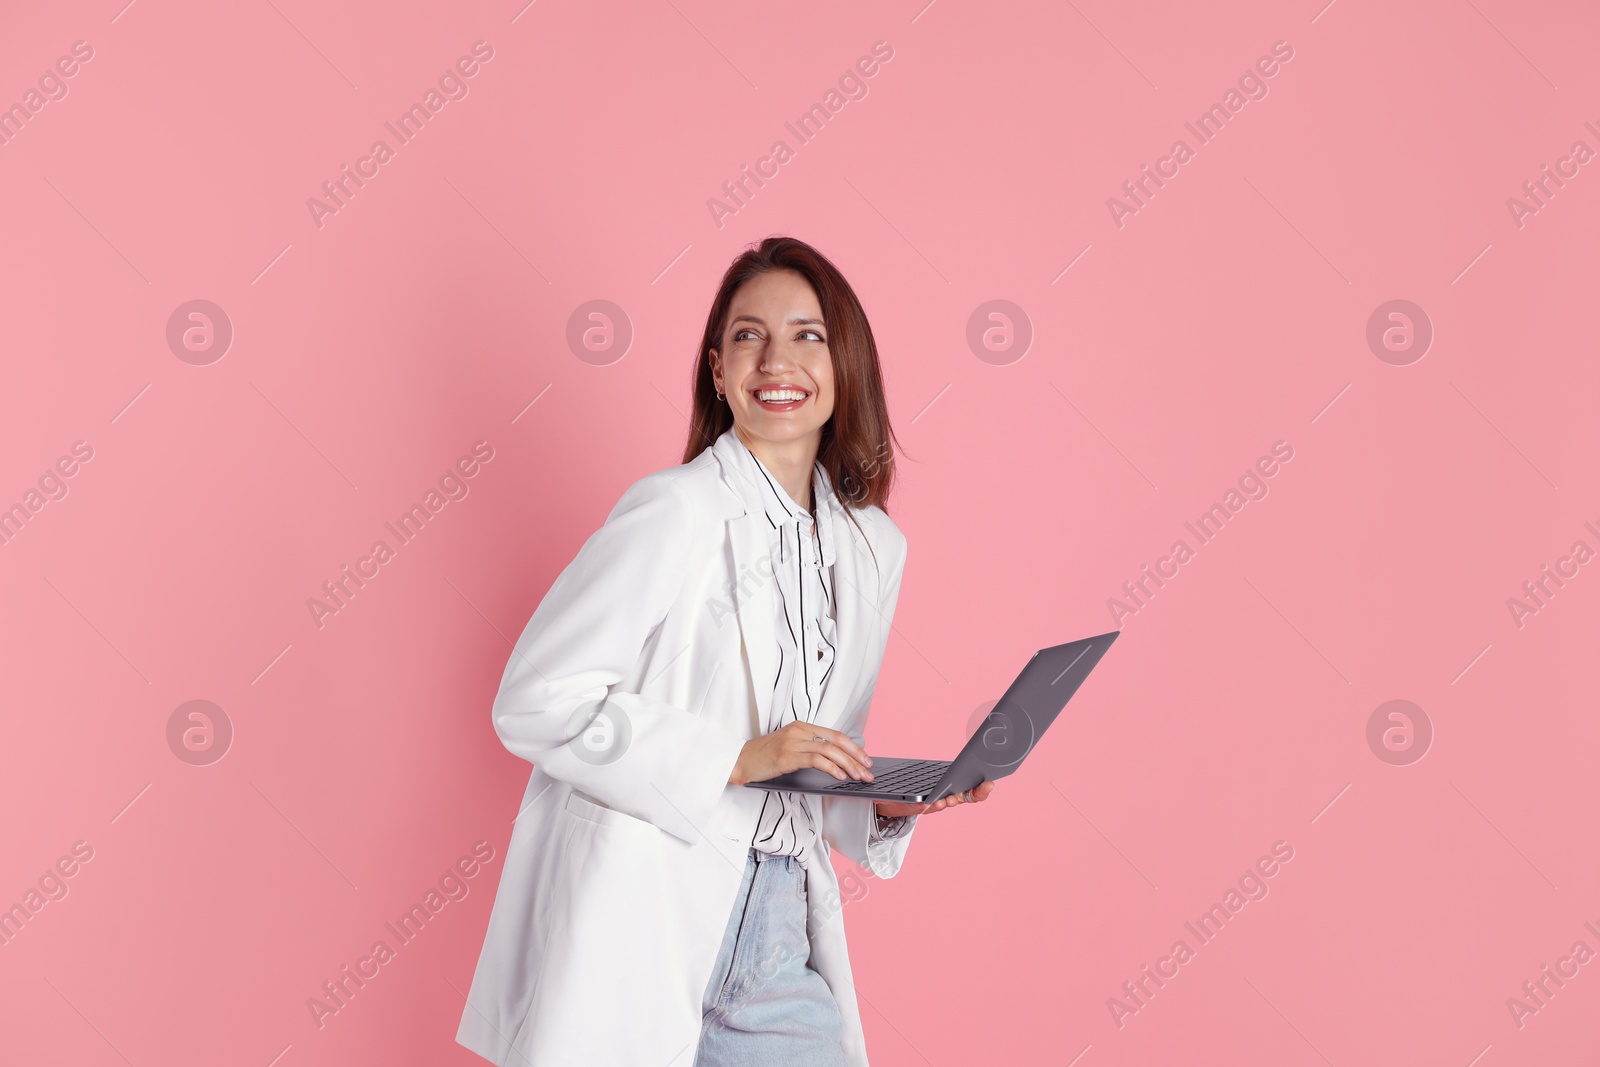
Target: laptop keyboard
[{"x": 916, "y": 776}]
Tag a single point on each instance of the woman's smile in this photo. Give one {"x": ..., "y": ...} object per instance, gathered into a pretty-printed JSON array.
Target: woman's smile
[{"x": 779, "y": 397}]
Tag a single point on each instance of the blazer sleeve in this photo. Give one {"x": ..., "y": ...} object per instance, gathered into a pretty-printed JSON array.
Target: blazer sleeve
[
  {"x": 850, "y": 824},
  {"x": 665, "y": 765}
]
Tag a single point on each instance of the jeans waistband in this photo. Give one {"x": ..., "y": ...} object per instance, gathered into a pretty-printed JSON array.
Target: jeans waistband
[{"x": 758, "y": 856}]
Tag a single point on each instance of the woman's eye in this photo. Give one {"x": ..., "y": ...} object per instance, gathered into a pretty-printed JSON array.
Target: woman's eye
[
  {"x": 740, "y": 335},
  {"x": 814, "y": 335}
]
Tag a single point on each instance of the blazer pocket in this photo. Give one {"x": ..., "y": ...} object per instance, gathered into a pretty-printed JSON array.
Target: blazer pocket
[{"x": 582, "y": 807}]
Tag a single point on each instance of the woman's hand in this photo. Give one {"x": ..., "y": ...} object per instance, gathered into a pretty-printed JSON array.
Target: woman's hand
[
  {"x": 980, "y": 792},
  {"x": 796, "y": 746}
]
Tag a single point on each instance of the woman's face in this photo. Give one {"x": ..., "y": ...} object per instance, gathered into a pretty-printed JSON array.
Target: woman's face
[{"x": 773, "y": 362}]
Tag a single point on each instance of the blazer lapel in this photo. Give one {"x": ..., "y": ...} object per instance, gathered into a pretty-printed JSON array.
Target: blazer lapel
[{"x": 756, "y": 603}]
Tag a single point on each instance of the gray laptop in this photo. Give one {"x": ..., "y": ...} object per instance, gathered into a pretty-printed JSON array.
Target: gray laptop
[{"x": 995, "y": 749}]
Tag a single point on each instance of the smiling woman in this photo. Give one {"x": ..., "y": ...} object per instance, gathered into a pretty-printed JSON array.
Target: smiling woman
[{"x": 642, "y": 872}]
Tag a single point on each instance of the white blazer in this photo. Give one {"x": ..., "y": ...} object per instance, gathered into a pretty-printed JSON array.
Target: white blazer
[{"x": 620, "y": 877}]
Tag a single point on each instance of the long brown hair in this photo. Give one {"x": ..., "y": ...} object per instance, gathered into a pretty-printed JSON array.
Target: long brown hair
[{"x": 858, "y": 443}]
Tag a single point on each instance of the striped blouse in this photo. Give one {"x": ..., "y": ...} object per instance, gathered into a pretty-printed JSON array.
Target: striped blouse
[{"x": 802, "y": 555}]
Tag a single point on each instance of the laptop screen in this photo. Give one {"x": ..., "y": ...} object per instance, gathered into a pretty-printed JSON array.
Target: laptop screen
[{"x": 1021, "y": 716}]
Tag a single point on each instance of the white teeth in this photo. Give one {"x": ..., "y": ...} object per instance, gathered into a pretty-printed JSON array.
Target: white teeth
[{"x": 779, "y": 396}]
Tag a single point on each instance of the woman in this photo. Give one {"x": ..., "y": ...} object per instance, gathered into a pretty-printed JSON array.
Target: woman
[{"x": 726, "y": 625}]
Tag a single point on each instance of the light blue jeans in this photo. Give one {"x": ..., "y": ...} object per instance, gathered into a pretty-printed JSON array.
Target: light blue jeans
[{"x": 765, "y": 1006}]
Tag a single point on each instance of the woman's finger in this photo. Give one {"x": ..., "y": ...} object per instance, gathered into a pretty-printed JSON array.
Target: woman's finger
[
  {"x": 834, "y": 763},
  {"x": 844, "y": 741},
  {"x": 841, "y": 756}
]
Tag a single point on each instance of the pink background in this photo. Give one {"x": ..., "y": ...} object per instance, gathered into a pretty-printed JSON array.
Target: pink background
[{"x": 1229, "y": 313}]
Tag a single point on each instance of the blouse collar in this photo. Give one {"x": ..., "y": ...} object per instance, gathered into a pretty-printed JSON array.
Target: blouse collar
[{"x": 762, "y": 493}]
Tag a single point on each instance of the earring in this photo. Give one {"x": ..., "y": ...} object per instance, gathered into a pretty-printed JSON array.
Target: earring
[{"x": 719, "y": 396}]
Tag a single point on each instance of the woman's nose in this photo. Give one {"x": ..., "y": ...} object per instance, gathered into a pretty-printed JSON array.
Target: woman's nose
[{"x": 775, "y": 358}]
